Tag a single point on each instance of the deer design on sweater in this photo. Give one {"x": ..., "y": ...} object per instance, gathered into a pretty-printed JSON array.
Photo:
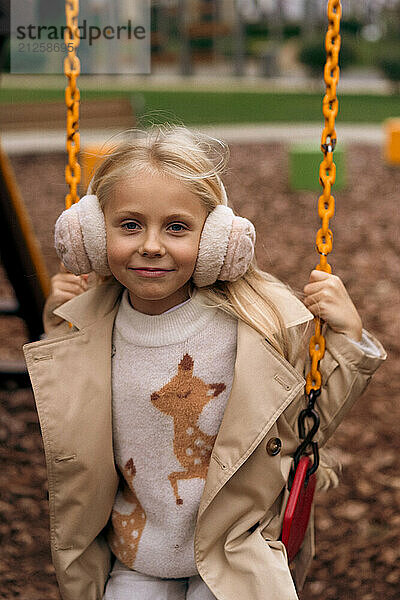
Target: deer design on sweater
[
  {"x": 183, "y": 398},
  {"x": 128, "y": 527}
]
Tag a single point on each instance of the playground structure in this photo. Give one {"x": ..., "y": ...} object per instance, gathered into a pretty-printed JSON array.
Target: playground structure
[
  {"x": 22, "y": 259},
  {"x": 392, "y": 144}
]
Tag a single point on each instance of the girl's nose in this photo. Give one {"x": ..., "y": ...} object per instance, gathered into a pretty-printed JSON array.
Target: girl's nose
[{"x": 152, "y": 245}]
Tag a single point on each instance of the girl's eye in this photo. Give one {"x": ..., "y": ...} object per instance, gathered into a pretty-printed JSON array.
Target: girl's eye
[
  {"x": 178, "y": 225},
  {"x": 127, "y": 225}
]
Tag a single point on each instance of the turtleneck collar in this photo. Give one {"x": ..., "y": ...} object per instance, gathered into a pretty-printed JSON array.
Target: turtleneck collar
[{"x": 171, "y": 327}]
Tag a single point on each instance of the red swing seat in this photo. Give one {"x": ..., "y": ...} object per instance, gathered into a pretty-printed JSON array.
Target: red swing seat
[{"x": 298, "y": 508}]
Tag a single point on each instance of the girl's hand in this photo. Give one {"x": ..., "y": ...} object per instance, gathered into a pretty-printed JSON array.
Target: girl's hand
[
  {"x": 64, "y": 286},
  {"x": 327, "y": 298}
]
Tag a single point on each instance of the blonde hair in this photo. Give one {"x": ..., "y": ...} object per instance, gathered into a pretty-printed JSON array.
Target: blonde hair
[{"x": 197, "y": 160}]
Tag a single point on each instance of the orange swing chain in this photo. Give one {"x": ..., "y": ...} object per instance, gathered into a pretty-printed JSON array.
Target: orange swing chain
[
  {"x": 72, "y": 68},
  {"x": 302, "y": 478},
  {"x": 327, "y": 176}
]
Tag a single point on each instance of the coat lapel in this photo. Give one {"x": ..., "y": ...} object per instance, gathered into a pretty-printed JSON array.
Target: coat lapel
[
  {"x": 71, "y": 378},
  {"x": 264, "y": 384}
]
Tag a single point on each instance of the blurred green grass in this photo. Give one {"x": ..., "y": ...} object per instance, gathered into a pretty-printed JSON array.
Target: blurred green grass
[{"x": 198, "y": 107}]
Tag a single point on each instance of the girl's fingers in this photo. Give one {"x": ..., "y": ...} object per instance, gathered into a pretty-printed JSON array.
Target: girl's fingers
[
  {"x": 317, "y": 311},
  {"x": 326, "y": 297},
  {"x": 312, "y": 288},
  {"x": 64, "y": 274},
  {"x": 316, "y": 308},
  {"x": 323, "y": 295},
  {"x": 68, "y": 287},
  {"x": 320, "y": 280},
  {"x": 58, "y": 292},
  {"x": 67, "y": 296},
  {"x": 309, "y": 300},
  {"x": 317, "y": 275},
  {"x": 62, "y": 278}
]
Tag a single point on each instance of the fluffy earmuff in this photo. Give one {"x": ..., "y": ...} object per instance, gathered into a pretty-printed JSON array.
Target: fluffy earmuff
[
  {"x": 225, "y": 251},
  {"x": 80, "y": 237},
  {"x": 226, "y": 247}
]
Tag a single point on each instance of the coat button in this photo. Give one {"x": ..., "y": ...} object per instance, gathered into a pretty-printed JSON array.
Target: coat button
[{"x": 274, "y": 446}]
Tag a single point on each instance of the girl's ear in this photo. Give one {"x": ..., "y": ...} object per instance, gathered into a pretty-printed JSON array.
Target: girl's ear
[
  {"x": 80, "y": 237},
  {"x": 226, "y": 247}
]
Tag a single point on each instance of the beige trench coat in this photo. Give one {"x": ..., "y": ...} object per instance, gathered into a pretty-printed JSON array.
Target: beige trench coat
[{"x": 239, "y": 519}]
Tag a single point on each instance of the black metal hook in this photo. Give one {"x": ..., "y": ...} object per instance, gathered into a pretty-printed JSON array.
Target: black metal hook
[{"x": 305, "y": 414}]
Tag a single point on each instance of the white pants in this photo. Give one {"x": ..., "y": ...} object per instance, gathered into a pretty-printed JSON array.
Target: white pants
[{"x": 125, "y": 584}]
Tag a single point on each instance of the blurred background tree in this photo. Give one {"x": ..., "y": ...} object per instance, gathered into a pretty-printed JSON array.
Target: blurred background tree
[{"x": 390, "y": 66}]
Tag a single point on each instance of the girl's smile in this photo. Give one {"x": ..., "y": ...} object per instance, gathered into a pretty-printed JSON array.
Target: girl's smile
[
  {"x": 153, "y": 225},
  {"x": 152, "y": 272}
]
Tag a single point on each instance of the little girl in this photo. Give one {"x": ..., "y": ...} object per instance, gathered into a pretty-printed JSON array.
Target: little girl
[{"x": 168, "y": 391}]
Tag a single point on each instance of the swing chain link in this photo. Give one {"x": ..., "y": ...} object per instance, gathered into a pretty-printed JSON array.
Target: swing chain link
[
  {"x": 327, "y": 176},
  {"x": 308, "y": 439},
  {"x": 72, "y": 68},
  {"x": 324, "y": 238}
]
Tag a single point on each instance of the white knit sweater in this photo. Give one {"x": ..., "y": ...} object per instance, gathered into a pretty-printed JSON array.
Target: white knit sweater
[{"x": 171, "y": 378}]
